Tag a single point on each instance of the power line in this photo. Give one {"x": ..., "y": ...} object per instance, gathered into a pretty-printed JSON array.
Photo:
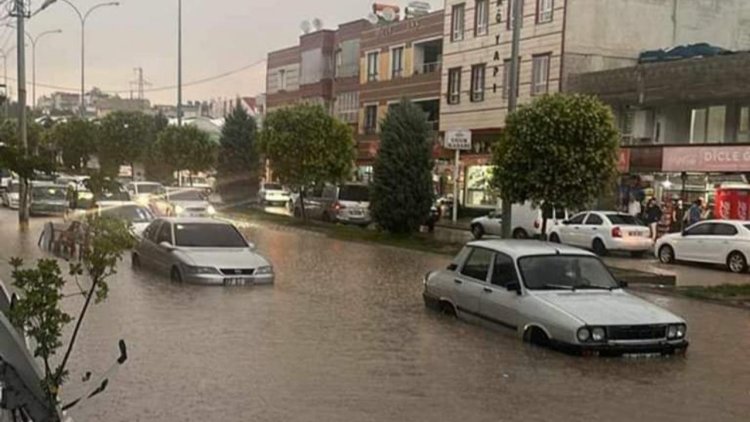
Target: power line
[{"x": 157, "y": 89}]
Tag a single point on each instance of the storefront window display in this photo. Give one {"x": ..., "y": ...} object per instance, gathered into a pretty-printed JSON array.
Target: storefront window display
[
  {"x": 364, "y": 174},
  {"x": 479, "y": 192}
]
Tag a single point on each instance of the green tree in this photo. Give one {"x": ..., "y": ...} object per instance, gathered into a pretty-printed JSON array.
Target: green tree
[
  {"x": 561, "y": 150},
  {"x": 402, "y": 191},
  {"x": 153, "y": 162},
  {"x": 38, "y": 311},
  {"x": 75, "y": 140},
  {"x": 305, "y": 146},
  {"x": 239, "y": 162},
  {"x": 124, "y": 138},
  {"x": 186, "y": 148}
]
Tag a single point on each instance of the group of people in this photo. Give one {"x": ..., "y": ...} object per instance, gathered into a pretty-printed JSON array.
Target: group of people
[{"x": 668, "y": 217}]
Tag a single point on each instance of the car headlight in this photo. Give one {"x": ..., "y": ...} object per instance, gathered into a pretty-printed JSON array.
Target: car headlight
[
  {"x": 178, "y": 210},
  {"x": 200, "y": 270},
  {"x": 211, "y": 210},
  {"x": 676, "y": 331},
  {"x": 264, "y": 270},
  {"x": 583, "y": 334},
  {"x": 598, "y": 334}
]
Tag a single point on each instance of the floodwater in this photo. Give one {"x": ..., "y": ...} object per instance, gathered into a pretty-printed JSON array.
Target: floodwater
[{"x": 344, "y": 336}]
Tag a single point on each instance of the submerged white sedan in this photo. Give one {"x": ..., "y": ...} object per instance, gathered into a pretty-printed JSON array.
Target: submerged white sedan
[{"x": 553, "y": 295}]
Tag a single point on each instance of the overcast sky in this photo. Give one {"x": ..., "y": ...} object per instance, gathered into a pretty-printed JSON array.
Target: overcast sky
[{"x": 219, "y": 36}]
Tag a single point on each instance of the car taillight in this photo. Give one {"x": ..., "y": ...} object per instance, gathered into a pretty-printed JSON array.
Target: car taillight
[
  {"x": 338, "y": 206},
  {"x": 616, "y": 232}
]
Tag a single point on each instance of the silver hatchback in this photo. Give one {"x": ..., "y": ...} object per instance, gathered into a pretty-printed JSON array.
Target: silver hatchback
[{"x": 201, "y": 251}]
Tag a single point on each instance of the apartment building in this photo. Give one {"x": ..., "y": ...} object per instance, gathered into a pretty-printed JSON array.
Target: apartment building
[
  {"x": 559, "y": 38},
  {"x": 400, "y": 59}
]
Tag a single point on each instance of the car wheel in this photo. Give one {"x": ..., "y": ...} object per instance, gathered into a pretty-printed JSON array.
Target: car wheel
[
  {"x": 554, "y": 238},
  {"x": 520, "y": 234},
  {"x": 446, "y": 308},
  {"x": 599, "y": 247},
  {"x": 736, "y": 262},
  {"x": 477, "y": 231},
  {"x": 536, "y": 336},
  {"x": 135, "y": 261},
  {"x": 666, "y": 254},
  {"x": 175, "y": 275}
]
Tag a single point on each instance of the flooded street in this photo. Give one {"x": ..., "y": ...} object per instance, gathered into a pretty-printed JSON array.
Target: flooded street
[{"x": 344, "y": 336}]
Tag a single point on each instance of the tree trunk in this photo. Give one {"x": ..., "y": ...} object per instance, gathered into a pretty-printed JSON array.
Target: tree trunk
[
  {"x": 302, "y": 204},
  {"x": 546, "y": 211},
  {"x": 132, "y": 171}
]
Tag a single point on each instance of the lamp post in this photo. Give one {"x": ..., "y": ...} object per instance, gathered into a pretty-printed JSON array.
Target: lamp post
[
  {"x": 34, "y": 41},
  {"x": 4, "y": 54},
  {"x": 83, "y": 17}
]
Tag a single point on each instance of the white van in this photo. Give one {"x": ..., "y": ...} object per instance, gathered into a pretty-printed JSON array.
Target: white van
[{"x": 526, "y": 222}]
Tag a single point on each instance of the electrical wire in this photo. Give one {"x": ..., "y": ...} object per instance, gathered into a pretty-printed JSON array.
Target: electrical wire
[{"x": 157, "y": 89}]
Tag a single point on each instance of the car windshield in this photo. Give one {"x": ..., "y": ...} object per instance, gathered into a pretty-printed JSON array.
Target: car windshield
[
  {"x": 624, "y": 220},
  {"x": 148, "y": 187},
  {"x": 131, "y": 213},
  {"x": 273, "y": 186},
  {"x": 48, "y": 193},
  {"x": 186, "y": 195},
  {"x": 565, "y": 272},
  {"x": 356, "y": 193},
  {"x": 206, "y": 235}
]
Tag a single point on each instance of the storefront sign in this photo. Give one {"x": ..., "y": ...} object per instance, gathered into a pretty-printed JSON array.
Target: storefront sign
[
  {"x": 706, "y": 159},
  {"x": 623, "y": 161},
  {"x": 458, "y": 140}
]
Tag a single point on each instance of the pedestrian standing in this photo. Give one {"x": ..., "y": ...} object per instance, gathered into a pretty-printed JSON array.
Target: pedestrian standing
[
  {"x": 653, "y": 216},
  {"x": 695, "y": 213},
  {"x": 634, "y": 207}
]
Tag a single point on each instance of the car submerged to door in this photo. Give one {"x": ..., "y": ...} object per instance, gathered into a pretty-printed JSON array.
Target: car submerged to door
[
  {"x": 552, "y": 295},
  {"x": 201, "y": 251}
]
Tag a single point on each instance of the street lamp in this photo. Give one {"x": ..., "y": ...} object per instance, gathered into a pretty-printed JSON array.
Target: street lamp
[
  {"x": 4, "y": 55},
  {"x": 83, "y": 18}
]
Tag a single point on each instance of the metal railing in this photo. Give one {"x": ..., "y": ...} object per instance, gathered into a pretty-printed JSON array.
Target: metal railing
[{"x": 427, "y": 68}]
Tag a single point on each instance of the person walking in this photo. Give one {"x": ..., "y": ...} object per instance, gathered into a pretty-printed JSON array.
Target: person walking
[
  {"x": 653, "y": 216},
  {"x": 634, "y": 207},
  {"x": 695, "y": 213}
]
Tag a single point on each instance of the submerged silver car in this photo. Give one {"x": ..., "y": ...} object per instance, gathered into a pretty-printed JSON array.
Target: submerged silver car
[
  {"x": 201, "y": 251},
  {"x": 552, "y": 295}
]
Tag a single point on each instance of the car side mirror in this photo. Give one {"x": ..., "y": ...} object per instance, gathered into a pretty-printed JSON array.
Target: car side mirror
[
  {"x": 623, "y": 284},
  {"x": 513, "y": 287},
  {"x": 166, "y": 245}
]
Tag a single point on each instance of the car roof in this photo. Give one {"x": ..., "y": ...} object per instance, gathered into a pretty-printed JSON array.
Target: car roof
[
  {"x": 193, "y": 220},
  {"x": 46, "y": 184},
  {"x": 145, "y": 183},
  {"x": 520, "y": 248}
]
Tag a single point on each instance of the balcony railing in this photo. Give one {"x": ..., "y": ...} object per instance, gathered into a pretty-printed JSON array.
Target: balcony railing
[{"x": 425, "y": 68}]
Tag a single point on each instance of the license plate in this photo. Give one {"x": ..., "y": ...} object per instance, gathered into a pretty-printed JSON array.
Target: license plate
[{"x": 237, "y": 281}]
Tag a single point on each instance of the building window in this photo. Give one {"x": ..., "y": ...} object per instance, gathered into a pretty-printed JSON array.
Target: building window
[
  {"x": 708, "y": 125},
  {"x": 540, "y": 74},
  {"x": 457, "y": 22},
  {"x": 282, "y": 79},
  {"x": 743, "y": 134},
  {"x": 481, "y": 17},
  {"x": 373, "y": 64},
  {"x": 371, "y": 119},
  {"x": 454, "y": 85},
  {"x": 337, "y": 62},
  {"x": 506, "y": 78},
  {"x": 544, "y": 10},
  {"x": 346, "y": 107},
  {"x": 510, "y": 12},
  {"x": 397, "y": 62},
  {"x": 477, "y": 82}
]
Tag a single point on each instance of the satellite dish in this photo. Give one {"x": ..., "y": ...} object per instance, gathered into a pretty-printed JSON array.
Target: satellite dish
[
  {"x": 317, "y": 24},
  {"x": 305, "y": 27},
  {"x": 373, "y": 18},
  {"x": 389, "y": 14}
]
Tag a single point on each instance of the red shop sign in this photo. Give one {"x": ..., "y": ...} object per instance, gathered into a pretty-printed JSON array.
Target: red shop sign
[
  {"x": 706, "y": 159},
  {"x": 623, "y": 161}
]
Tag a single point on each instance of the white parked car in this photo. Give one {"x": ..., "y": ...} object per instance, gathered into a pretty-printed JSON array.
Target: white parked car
[
  {"x": 526, "y": 222},
  {"x": 11, "y": 196},
  {"x": 721, "y": 242},
  {"x": 273, "y": 194},
  {"x": 189, "y": 202},
  {"x": 145, "y": 192},
  {"x": 603, "y": 231},
  {"x": 552, "y": 295}
]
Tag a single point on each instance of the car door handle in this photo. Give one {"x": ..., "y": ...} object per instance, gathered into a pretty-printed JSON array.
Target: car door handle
[
  {"x": 457, "y": 281},
  {"x": 487, "y": 290}
]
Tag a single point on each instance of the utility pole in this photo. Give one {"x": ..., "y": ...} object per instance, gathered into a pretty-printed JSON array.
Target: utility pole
[
  {"x": 513, "y": 96},
  {"x": 20, "y": 15},
  {"x": 179, "y": 63}
]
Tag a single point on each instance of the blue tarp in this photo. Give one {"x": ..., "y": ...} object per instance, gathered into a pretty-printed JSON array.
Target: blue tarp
[{"x": 681, "y": 52}]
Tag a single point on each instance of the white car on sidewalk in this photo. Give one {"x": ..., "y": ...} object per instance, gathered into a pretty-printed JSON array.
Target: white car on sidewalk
[
  {"x": 273, "y": 194},
  {"x": 721, "y": 242},
  {"x": 604, "y": 231},
  {"x": 552, "y": 295},
  {"x": 526, "y": 222}
]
